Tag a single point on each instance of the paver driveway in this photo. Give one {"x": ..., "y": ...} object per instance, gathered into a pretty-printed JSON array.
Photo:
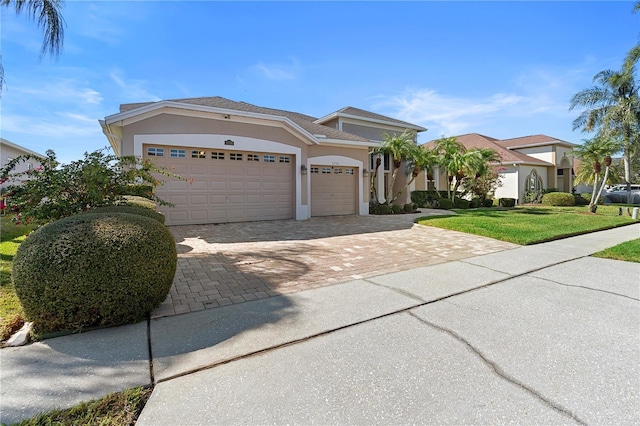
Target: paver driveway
[{"x": 236, "y": 262}]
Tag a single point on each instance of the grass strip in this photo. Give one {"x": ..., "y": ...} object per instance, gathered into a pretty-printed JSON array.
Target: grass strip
[{"x": 529, "y": 225}]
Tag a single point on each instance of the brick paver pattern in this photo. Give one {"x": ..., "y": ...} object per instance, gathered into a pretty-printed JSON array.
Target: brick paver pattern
[{"x": 231, "y": 263}]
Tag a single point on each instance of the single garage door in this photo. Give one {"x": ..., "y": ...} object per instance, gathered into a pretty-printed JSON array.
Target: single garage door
[
  {"x": 227, "y": 186},
  {"x": 333, "y": 190}
]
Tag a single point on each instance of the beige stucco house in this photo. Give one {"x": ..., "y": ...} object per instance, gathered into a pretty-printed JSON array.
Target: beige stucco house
[
  {"x": 9, "y": 151},
  {"x": 528, "y": 163},
  {"x": 244, "y": 162}
]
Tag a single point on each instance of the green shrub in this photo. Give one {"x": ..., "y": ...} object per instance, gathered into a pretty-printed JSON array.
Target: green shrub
[
  {"x": 487, "y": 202},
  {"x": 145, "y": 191},
  {"x": 507, "y": 202},
  {"x": 94, "y": 269},
  {"x": 385, "y": 209},
  {"x": 533, "y": 197},
  {"x": 133, "y": 209},
  {"x": 133, "y": 200},
  {"x": 445, "y": 203},
  {"x": 424, "y": 198},
  {"x": 409, "y": 208},
  {"x": 581, "y": 200},
  {"x": 558, "y": 199},
  {"x": 461, "y": 203},
  {"x": 396, "y": 208},
  {"x": 475, "y": 203}
]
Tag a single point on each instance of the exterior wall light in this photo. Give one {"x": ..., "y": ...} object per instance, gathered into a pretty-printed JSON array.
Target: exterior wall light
[
  {"x": 303, "y": 169},
  {"x": 365, "y": 172}
]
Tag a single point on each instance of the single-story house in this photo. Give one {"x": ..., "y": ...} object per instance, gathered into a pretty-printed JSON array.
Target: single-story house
[
  {"x": 245, "y": 162},
  {"x": 10, "y": 151},
  {"x": 528, "y": 163}
]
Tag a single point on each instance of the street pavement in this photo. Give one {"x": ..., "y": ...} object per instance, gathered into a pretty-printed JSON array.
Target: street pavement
[{"x": 541, "y": 334}]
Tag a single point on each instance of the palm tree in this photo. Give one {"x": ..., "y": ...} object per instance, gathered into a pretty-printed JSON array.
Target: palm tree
[
  {"x": 613, "y": 108},
  {"x": 591, "y": 152},
  {"x": 420, "y": 159},
  {"x": 48, "y": 15},
  {"x": 449, "y": 151},
  {"x": 400, "y": 147}
]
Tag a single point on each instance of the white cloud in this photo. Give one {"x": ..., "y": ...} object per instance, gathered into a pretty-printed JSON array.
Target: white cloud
[
  {"x": 135, "y": 90},
  {"x": 55, "y": 126},
  {"x": 66, "y": 91},
  {"x": 278, "y": 72}
]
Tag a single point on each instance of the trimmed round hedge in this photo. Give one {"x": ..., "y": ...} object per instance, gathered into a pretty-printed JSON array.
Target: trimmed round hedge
[
  {"x": 558, "y": 199},
  {"x": 133, "y": 209},
  {"x": 94, "y": 269}
]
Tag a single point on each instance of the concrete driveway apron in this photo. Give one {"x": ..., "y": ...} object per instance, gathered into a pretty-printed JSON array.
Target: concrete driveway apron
[{"x": 232, "y": 263}]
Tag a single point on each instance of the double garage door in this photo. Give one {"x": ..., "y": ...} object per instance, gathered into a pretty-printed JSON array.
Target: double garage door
[{"x": 224, "y": 186}]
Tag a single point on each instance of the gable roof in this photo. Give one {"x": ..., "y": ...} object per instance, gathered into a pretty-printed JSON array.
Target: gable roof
[
  {"x": 533, "y": 140},
  {"x": 20, "y": 148},
  {"x": 358, "y": 113},
  {"x": 476, "y": 140},
  {"x": 306, "y": 122}
]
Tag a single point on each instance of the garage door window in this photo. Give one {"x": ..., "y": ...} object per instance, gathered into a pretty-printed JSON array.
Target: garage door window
[
  {"x": 315, "y": 170},
  {"x": 155, "y": 152},
  {"x": 285, "y": 159},
  {"x": 348, "y": 171},
  {"x": 326, "y": 170},
  {"x": 269, "y": 158},
  {"x": 235, "y": 156},
  {"x": 253, "y": 157},
  {"x": 337, "y": 171},
  {"x": 198, "y": 154},
  {"x": 178, "y": 153},
  {"x": 217, "y": 155}
]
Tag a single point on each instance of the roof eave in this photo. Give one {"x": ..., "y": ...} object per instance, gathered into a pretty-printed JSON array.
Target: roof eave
[
  {"x": 372, "y": 120},
  {"x": 112, "y": 119}
]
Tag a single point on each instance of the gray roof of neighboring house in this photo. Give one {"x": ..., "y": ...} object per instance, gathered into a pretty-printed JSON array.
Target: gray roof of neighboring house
[
  {"x": 532, "y": 140},
  {"x": 349, "y": 110},
  {"x": 304, "y": 121},
  {"x": 476, "y": 140}
]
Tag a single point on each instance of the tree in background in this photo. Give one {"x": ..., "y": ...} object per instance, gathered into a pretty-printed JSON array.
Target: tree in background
[
  {"x": 612, "y": 108},
  {"x": 48, "y": 14},
  {"x": 593, "y": 153}
]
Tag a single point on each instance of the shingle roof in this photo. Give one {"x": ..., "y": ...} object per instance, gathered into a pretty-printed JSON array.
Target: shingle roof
[
  {"x": 349, "y": 110},
  {"x": 476, "y": 140},
  {"x": 531, "y": 140},
  {"x": 302, "y": 120}
]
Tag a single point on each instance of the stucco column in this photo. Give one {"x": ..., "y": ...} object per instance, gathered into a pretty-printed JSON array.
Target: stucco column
[{"x": 380, "y": 180}]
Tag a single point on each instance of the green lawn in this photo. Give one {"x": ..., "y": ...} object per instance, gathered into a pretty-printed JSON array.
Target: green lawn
[
  {"x": 629, "y": 251},
  {"x": 116, "y": 409},
  {"x": 530, "y": 225},
  {"x": 10, "y": 310}
]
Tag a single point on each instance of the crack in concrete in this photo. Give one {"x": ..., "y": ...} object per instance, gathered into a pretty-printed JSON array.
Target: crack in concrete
[
  {"x": 399, "y": 291},
  {"x": 588, "y": 288},
  {"x": 501, "y": 373}
]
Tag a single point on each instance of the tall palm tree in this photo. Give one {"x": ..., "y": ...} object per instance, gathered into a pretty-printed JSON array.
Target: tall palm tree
[
  {"x": 594, "y": 152},
  {"x": 449, "y": 151},
  {"x": 49, "y": 17},
  {"x": 613, "y": 108},
  {"x": 420, "y": 159},
  {"x": 400, "y": 147}
]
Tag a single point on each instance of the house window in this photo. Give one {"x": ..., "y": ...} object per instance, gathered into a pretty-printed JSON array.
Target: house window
[
  {"x": 337, "y": 171},
  {"x": 198, "y": 154},
  {"x": 285, "y": 159},
  {"x": 315, "y": 170},
  {"x": 387, "y": 162},
  {"x": 348, "y": 171},
  {"x": 235, "y": 156},
  {"x": 217, "y": 155},
  {"x": 560, "y": 172},
  {"x": 253, "y": 157},
  {"x": 178, "y": 153},
  {"x": 269, "y": 158},
  {"x": 155, "y": 152},
  {"x": 533, "y": 182},
  {"x": 326, "y": 170}
]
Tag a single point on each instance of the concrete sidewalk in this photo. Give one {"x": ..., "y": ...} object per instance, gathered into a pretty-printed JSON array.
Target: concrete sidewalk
[{"x": 554, "y": 340}]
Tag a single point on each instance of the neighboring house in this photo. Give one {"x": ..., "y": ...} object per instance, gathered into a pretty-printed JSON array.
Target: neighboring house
[
  {"x": 529, "y": 163},
  {"x": 9, "y": 151},
  {"x": 244, "y": 162}
]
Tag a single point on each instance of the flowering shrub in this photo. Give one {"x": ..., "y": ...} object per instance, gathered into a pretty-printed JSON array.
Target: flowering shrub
[{"x": 53, "y": 190}]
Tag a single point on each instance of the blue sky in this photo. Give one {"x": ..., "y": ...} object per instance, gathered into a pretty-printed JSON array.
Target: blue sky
[{"x": 504, "y": 69}]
